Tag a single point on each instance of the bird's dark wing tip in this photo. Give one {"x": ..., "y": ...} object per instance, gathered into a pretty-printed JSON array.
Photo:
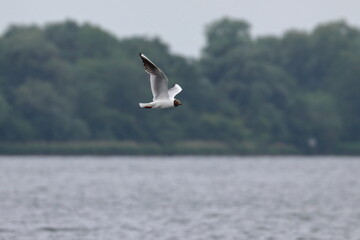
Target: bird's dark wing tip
[{"x": 150, "y": 67}]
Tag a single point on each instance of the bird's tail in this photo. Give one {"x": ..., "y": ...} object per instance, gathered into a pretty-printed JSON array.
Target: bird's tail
[{"x": 145, "y": 105}]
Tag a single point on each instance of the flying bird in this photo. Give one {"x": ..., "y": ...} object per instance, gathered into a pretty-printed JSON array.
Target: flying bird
[{"x": 163, "y": 97}]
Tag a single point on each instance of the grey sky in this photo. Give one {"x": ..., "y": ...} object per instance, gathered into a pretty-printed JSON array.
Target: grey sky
[{"x": 180, "y": 24}]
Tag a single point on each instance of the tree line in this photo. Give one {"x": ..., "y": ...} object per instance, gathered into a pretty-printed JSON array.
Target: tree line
[{"x": 76, "y": 82}]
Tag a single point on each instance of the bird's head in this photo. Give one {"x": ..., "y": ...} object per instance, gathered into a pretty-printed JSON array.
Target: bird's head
[{"x": 177, "y": 102}]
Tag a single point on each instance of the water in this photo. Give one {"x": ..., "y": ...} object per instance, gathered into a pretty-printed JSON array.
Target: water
[{"x": 170, "y": 198}]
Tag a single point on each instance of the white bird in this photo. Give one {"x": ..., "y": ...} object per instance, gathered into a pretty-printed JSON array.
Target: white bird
[{"x": 162, "y": 96}]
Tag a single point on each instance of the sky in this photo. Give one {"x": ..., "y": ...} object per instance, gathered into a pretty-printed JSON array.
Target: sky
[{"x": 180, "y": 24}]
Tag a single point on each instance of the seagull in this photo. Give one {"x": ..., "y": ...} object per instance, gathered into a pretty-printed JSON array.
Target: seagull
[{"x": 162, "y": 96}]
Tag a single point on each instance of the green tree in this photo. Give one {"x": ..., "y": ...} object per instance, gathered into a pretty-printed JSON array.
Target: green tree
[
  {"x": 316, "y": 117},
  {"x": 50, "y": 114},
  {"x": 25, "y": 54}
]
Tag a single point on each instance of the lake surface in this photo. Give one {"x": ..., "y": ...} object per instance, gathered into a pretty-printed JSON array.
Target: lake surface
[{"x": 170, "y": 198}]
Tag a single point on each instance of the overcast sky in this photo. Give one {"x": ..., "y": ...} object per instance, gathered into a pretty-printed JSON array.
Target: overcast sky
[{"x": 181, "y": 24}]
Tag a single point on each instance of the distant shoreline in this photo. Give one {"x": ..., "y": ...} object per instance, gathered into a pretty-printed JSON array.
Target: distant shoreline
[{"x": 191, "y": 147}]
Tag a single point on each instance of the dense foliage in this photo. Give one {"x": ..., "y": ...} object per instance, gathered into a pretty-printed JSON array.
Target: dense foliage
[{"x": 70, "y": 82}]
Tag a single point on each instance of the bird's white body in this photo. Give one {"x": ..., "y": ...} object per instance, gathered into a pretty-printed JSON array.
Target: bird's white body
[
  {"x": 162, "y": 96},
  {"x": 158, "y": 104}
]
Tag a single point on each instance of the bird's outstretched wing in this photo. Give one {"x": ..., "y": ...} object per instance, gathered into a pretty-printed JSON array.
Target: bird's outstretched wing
[
  {"x": 174, "y": 91},
  {"x": 158, "y": 80}
]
